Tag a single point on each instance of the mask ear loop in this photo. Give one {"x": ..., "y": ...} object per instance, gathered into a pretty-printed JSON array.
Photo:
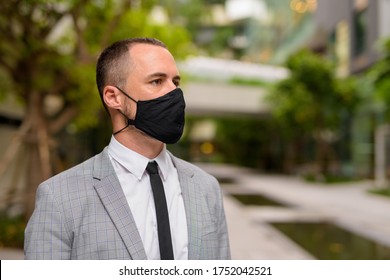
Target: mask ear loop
[
  {"x": 126, "y": 94},
  {"x": 129, "y": 121}
]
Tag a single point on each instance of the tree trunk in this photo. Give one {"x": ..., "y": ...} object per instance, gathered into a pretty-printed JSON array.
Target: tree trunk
[
  {"x": 38, "y": 157},
  {"x": 325, "y": 157}
]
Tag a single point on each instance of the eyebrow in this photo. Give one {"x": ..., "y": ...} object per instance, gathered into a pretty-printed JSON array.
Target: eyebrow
[{"x": 162, "y": 75}]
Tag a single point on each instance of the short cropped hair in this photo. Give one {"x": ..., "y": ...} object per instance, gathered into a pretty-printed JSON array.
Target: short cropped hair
[{"x": 114, "y": 63}]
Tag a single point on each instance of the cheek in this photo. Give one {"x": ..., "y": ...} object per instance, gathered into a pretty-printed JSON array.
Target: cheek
[
  {"x": 133, "y": 111},
  {"x": 130, "y": 110}
]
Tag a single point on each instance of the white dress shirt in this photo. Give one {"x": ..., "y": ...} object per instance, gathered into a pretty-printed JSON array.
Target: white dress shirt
[{"x": 130, "y": 169}]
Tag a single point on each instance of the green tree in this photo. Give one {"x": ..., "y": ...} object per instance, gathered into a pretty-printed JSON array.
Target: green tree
[
  {"x": 380, "y": 74},
  {"x": 48, "y": 50},
  {"x": 312, "y": 104},
  {"x": 199, "y": 18}
]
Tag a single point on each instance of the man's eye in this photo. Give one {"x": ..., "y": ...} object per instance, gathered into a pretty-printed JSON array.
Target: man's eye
[
  {"x": 156, "y": 82},
  {"x": 177, "y": 83}
]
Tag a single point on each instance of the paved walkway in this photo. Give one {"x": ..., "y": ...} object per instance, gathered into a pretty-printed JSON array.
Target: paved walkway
[
  {"x": 349, "y": 206},
  {"x": 251, "y": 235}
]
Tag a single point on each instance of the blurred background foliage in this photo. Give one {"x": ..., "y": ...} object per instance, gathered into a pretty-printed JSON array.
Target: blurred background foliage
[
  {"x": 380, "y": 75},
  {"x": 313, "y": 103}
]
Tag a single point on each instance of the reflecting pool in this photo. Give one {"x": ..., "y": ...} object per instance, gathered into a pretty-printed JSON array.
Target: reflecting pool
[{"x": 327, "y": 241}]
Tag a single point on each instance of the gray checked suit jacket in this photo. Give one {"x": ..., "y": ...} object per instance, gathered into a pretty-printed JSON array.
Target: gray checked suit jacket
[{"x": 82, "y": 213}]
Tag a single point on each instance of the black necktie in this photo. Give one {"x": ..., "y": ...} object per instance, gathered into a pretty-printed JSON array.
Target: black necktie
[{"x": 164, "y": 232}]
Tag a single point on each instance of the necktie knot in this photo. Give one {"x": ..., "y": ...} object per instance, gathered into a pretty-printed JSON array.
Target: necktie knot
[{"x": 151, "y": 168}]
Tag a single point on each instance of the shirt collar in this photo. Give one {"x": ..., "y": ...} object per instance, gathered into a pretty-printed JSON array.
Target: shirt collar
[
  {"x": 164, "y": 163},
  {"x": 136, "y": 163}
]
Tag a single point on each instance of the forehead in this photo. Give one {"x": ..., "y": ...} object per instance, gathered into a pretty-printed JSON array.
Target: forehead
[{"x": 150, "y": 57}]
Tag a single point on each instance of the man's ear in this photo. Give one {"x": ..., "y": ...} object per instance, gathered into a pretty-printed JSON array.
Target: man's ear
[{"x": 112, "y": 97}]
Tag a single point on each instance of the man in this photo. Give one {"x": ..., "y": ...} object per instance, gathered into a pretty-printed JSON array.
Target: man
[{"x": 105, "y": 208}]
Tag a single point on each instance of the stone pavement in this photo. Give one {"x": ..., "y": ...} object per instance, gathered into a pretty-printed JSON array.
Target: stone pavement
[{"x": 252, "y": 237}]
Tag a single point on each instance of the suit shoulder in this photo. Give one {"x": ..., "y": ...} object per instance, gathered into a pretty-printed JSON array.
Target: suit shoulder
[
  {"x": 72, "y": 187},
  {"x": 188, "y": 165},
  {"x": 196, "y": 171},
  {"x": 78, "y": 176},
  {"x": 83, "y": 169}
]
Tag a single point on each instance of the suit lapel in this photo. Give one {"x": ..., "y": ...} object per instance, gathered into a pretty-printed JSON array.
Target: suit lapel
[
  {"x": 192, "y": 203},
  {"x": 111, "y": 194}
]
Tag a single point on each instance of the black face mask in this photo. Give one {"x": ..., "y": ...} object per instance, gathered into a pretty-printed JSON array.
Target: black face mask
[{"x": 161, "y": 118}]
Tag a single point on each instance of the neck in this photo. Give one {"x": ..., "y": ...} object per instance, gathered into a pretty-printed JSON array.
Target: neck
[{"x": 139, "y": 142}]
